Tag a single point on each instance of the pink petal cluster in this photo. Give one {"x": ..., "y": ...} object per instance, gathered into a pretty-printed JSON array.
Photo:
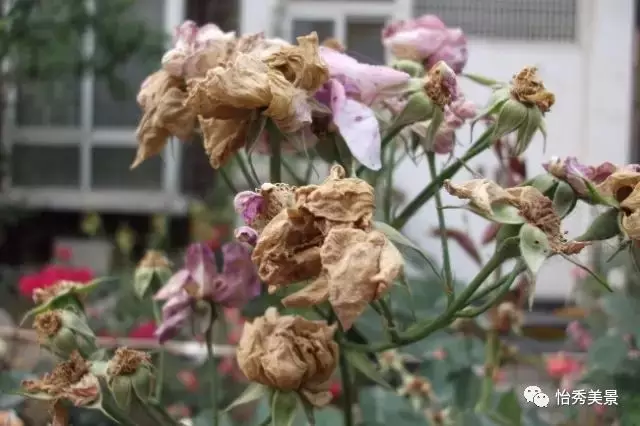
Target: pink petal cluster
[
  {"x": 573, "y": 172},
  {"x": 428, "y": 40},
  {"x": 351, "y": 91},
  {"x": 189, "y": 39}
]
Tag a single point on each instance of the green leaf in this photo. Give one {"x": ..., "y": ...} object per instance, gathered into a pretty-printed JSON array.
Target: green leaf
[
  {"x": 543, "y": 182},
  {"x": 528, "y": 129},
  {"x": 607, "y": 353},
  {"x": 509, "y": 408},
  {"x": 360, "y": 362},
  {"x": 466, "y": 388},
  {"x": 564, "y": 199},
  {"x": 597, "y": 198},
  {"x": 501, "y": 213},
  {"x": 253, "y": 392},
  {"x": 480, "y": 79},
  {"x": 603, "y": 227},
  {"x": 258, "y": 305},
  {"x": 284, "y": 407},
  {"x": 534, "y": 247},
  {"x": 397, "y": 237},
  {"x": 142, "y": 281}
]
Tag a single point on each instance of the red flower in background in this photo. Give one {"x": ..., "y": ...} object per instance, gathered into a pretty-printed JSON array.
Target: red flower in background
[
  {"x": 63, "y": 254},
  {"x": 143, "y": 331},
  {"x": 50, "y": 275}
]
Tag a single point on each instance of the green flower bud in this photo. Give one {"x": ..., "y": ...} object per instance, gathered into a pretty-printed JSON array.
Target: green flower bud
[
  {"x": 419, "y": 107},
  {"x": 152, "y": 272},
  {"x": 63, "y": 332},
  {"x": 130, "y": 377},
  {"x": 414, "y": 69}
]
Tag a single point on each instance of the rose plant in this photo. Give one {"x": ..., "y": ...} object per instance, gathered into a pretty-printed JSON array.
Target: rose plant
[{"x": 317, "y": 265}]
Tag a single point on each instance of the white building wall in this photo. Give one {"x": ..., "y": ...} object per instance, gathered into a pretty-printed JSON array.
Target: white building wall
[{"x": 592, "y": 81}]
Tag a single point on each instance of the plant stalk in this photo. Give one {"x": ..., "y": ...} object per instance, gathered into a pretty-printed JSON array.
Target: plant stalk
[
  {"x": 492, "y": 360},
  {"x": 157, "y": 315},
  {"x": 275, "y": 160},
  {"x": 444, "y": 240},
  {"x": 347, "y": 390},
  {"x": 430, "y": 190},
  {"x": 213, "y": 365}
]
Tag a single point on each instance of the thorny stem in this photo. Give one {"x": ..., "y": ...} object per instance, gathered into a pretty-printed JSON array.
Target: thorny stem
[
  {"x": 422, "y": 329},
  {"x": 434, "y": 186},
  {"x": 444, "y": 240},
  {"x": 213, "y": 364},
  {"x": 157, "y": 316},
  {"x": 492, "y": 359}
]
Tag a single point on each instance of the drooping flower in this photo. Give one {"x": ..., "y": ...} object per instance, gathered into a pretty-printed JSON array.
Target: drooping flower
[
  {"x": 574, "y": 173},
  {"x": 352, "y": 89},
  {"x": 200, "y": 279},
  {"x": 290, "y": 353},
  {"x": 275, "y": 82},
  {"x": 427, "y": 40},
  {"x": 623, "y": 186},
  {"x": 197, "y": 49}
]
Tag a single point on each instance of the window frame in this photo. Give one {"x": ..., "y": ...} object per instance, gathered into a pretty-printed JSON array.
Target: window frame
[{"x": 87, "y": 136}]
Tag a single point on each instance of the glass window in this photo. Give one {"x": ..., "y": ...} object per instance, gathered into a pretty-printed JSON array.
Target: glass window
[
  {"x": 196, "y": 174},
  {"x": 325, "y": 29},
  {"x": 110, "y": 170},
  {"x": 363, "y": 39},
  {"x": 116, "y": 106},
  {"x": 45, "y": 166}
]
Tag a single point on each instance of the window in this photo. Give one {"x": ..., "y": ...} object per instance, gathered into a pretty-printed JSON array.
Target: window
[
  {"x": 547, "y": 20},
  {"x": 363, "y": 39},
  {"x": 75, "y": 137}
]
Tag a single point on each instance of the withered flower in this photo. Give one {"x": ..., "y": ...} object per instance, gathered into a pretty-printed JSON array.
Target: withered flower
[
  {"x": 162, "y": 98},
  {"x": 441, "y": 85},
  {"x": 527, "y": 87},
  {"x": 61, "y": 288},
  {"x": 153, "y": 270},
  {"x": 258, "y": 208},
  {"x": 129, "y": 373},
  {"x": 290, "y": 353},
  {"x": 531, "y": 205},
  {"x": 64, "y": 332},
  {"x": 70, "y": 380},
  {"x": 624, "y": 186},
  {"x": 276, "y": 82},
  {"x": 358, "y": 267}
]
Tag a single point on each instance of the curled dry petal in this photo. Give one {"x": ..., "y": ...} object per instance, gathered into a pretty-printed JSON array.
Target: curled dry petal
[
  {"x": 222, "y": 138},
  {"x": 482, "y": 193},
  {"x": 358, "y": 268},
  {"x": 246, "y": 235},
  {"x": 620, "y": 185},
  {"x": 527, "y": 87},
  {"x": 289, "y": 353}
]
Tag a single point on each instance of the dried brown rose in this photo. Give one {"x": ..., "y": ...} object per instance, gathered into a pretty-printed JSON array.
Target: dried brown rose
[
  {"x": 528, "y": 88},
  {"x": 127, "y": 361},
  {"x": 162, "y": 100},
  {"x": 358, "y": 267},
  {"x": 44, "y": 295},
  {"x": 289, "y": 353},
  {"x": 534, "y": 207},
  {"x": 624, "y": 187},
  {"x": 47, "y": 324},
  {"x": 222, "y": 138}
]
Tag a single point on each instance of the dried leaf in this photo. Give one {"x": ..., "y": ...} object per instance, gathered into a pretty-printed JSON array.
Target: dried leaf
[{"x": 222, "y": 138}]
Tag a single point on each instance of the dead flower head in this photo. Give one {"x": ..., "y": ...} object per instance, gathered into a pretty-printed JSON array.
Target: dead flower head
[
  {"x": 535, "y": 208},
  {"x": 441, "y": 85},
  {"x": 277, "y": 82},
  {"x": 127, "y": 361},
  {"x": 527, "y": 87},
  {"x": 71, "y": 380},
  {"x": 358, "y": 267},
  {"x": 288, "y": 248},
  {"x": 289, "y": 353},
  {"x": 162, "y": 98},
  {"x": 624, "y": 186},
  {"x": 44, "y": 295},
  {"x": 47, "y": 324}
]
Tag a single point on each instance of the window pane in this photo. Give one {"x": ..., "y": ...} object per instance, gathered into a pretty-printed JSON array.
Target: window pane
[
  {"x": 325, "y": 29},
  {"x": 38, "y": 166},
  {"x": 196, "y": 174},
  {"x": 123, "y": 111},
  {"x": 110, "y": 170},
  {"x": 511, "y": 19},
  {"x": 363, "y": 40}
]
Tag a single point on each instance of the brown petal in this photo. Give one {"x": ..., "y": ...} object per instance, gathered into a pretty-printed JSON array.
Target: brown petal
[
  {"x": 226, "y": 92},
  {"x": 154, "y": 88},
  {"x": 222, "y": 138},
  {"x": 312, "y": 294},
  {"x": 360, "y": 266},
  {"x": 216, "y": 54},
  {"x": 631, "y": 225},
  {"x": 288, "y": 106},
  {"x": 482, "y": 193},
  {"x": 152, "y": 138},
  {"x": 620, "y": 184}
]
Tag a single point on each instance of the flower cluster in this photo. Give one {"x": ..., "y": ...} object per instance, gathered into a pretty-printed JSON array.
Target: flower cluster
[{"x": 322, "y": 233}]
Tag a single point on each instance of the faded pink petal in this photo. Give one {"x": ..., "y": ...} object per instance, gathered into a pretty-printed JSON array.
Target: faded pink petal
[
  {"x": 238, "y": 283},
  {"x": 454, "y": 51},
  {"x": 201, "y": 264},
  {"x": 249, "y": 205},
  {"x": 246, "y": 235},
  {"x": 174, "y": 285},
  {"x": 169, "y": 328},
  {"x": 463, "y": 108},
  {"x": 359, "y": 127}
]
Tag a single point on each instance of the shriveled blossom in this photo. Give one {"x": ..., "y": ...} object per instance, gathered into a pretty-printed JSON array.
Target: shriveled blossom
[
  {"x": 200, "y": 279},
  {"x": 325, "y": 235},
  {"x": 573, "y": 172},
  {"x": 290, "y": 353},
  {"x": 533, "y": 206},
  {"x": 277, "y": 82},
  {"x": 352, "y": 89},
  {"x": 197, "y": 49},
  {"x": 527, "y": 87},
  {"x": 623, "y": 186},
  {"x": 428, "y": 40},
  {"x": 50, "y": 276}
]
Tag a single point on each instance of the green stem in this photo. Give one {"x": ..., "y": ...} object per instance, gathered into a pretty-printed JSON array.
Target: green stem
[
  {"x": 423, "y": 329},
  {"x": 289, "y": 169},
  {"x": 492, "y": 355},
  {"x": 213, "y": 365},
  {"x": 444, "y": 239},
  {"x": 347, "y": 391},
  {"x": 244, "y": 169},
  {"x": 388, "y": 196},
  {"x": 430, "y": 190},
  {"x": 275, "y": 160},
  {"x": 157, "y": 315},
  {"x": 228, "y": 181},
  {"x": 387, "y": 314}
]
